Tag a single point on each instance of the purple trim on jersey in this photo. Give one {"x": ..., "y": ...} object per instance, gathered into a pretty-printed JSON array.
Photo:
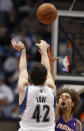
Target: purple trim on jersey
[{"x": 61, "y": 125}]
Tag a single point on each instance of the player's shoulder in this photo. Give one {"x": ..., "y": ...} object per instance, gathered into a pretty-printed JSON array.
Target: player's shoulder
[
  {"x": 49, "y": 88},
  {"x": 50, "y": 83},
  {"x": 78, "y": 125}
]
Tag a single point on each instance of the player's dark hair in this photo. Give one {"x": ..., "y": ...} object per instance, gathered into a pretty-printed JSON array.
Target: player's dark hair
[
  {"x": 74, "y": 96},
  {"x": 38, "y": 73}
]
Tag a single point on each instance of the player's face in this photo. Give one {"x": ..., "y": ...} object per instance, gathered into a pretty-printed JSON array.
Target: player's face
[{"x": 65, "y": 102}]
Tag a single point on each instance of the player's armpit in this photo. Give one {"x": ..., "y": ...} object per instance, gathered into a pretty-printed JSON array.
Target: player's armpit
[{"x": 22, "y": 83}]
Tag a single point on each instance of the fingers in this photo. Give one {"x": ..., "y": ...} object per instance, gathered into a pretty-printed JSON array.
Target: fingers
[
  {"x": 38, "y": 45},
  {"x": 13, "y": 43},
  {"x": 56, "y": 58},
  {"x": 52, "y": 51},
  {"x": 42, "y": 41},
  {"x": 20, "y": 42},
  {"x": 49, "y": 50},
  {"x": 42, "y": 44},
  {"x": 50, "y": 55}
]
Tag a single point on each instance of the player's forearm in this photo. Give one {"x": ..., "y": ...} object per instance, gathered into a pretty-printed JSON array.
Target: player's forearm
[
  {"x": 45, "y": 61},
  {"x": 23, "y": 61},
  {"x": 52, "y": 71},
  {"x": 57, "y": 112}
]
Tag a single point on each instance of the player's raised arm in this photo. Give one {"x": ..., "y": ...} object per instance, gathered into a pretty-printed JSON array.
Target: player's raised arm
[
  {"x": 43, "y": 46},
  {"x": 23, "y": 74},
  {"x": 52, "y": 60}
]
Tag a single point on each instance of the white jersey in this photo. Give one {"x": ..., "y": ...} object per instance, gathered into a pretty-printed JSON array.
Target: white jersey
[{"x": 37, "y": 109}]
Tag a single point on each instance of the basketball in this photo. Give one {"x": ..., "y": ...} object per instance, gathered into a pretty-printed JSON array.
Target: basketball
[{"x": 46, "y": 13}]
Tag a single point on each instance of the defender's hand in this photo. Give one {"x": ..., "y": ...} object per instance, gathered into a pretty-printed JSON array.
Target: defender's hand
[
  {"x": 50, "y": 56},
  {"x": 19, "y": 46}
]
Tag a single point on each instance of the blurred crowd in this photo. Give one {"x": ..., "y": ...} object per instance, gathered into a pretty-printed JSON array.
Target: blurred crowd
[{"x": 17, "y": 21}]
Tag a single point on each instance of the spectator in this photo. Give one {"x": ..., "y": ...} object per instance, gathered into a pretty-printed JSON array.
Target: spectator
[
  {"x": 6, "y": 95},
  {"x": 6, "y": 5}
]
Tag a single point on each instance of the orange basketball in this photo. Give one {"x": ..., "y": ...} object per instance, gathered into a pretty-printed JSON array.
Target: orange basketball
[{"x": 46, "y": 13}]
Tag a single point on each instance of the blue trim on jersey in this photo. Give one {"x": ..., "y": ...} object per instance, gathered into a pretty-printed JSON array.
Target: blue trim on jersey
[
  {"x": 23, "y": 105},
  {"x": 54, "y": 100}
]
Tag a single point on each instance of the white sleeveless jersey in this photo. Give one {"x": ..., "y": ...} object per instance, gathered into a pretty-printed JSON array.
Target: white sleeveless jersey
[{"x": 37, "y": 109}]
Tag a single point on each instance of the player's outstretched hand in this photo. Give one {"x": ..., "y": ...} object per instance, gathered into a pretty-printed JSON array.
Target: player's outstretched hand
[
  {"x": 43, "y": 46},
  {"x": 17, "y": 45},
  {"x": 50, "y": 56}
]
